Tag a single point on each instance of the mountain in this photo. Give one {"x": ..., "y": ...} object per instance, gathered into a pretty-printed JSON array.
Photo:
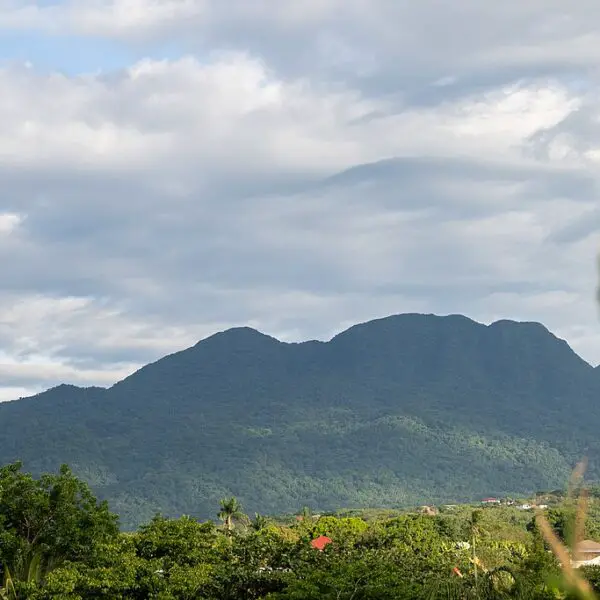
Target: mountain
[{"x": 397, "y": 411}]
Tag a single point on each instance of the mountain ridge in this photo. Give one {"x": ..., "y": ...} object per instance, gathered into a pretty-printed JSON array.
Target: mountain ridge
[
  {"x": 243, "y": 329},
  {"x": 399, "y": 410}
]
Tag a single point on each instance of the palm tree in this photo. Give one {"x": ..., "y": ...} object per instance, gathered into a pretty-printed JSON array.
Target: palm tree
[
  {"x": 231, "y": 510},
  {"x": 27, "y": 570},
  {"x": 259, "y": 522},
  {"x": 8, "y": 591}
]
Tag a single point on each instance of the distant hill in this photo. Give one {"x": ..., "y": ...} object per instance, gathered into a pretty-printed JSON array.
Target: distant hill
[{"x": 403, "y": 410}]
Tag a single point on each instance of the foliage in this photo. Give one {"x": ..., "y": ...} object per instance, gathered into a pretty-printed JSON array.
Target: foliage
[
  {"x": 46, "y": 523},
  {"x": 405, "y": 557},
  {"x": 231, "y": 511}
]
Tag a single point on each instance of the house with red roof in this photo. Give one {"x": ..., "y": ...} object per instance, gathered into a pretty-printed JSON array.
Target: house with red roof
[{"x": 320, "y": 542}]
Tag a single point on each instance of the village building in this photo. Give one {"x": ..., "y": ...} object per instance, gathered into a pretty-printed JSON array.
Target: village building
[
  {"x": 320, "y": 542},
  {"x": 429, "y": 510},
  {"x": 587, "y": 552}
]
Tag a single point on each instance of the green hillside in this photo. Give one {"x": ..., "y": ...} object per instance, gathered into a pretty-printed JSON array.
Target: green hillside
[{"x": 398, "y": 411}]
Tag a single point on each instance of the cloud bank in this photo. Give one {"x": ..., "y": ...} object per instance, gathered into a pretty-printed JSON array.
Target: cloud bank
[{"x": 294, "y": 170}]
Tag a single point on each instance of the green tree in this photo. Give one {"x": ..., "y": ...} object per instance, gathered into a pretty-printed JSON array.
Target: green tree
[
  {"x": 114, "y": 573},
  {"x": 231, "y": 510},
  {"x": 47, "y": 522},
  {"x": 259, "y": 522},
  {"x": 342, "y": 530},
  {"x": 562, "y": 520},
  {"x": 179, "y": 541},
  {"x": 257, "y": 564},
  {"x": 179, "y": 557}
]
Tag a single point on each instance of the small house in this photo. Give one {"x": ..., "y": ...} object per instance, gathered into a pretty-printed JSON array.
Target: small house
[
  {"x": 429, "y": 510},
  {"x": 587, "y": 552},
  {"x": 320, "y": 542}
]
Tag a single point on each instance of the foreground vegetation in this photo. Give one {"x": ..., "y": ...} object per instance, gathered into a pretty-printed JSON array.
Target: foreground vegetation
[{"x": 57, "y": 541}]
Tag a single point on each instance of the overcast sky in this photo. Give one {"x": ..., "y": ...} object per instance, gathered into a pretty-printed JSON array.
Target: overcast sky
[{"x": 171, "y": 168}]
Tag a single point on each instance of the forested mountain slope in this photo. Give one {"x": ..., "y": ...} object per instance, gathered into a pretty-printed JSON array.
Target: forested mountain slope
[{"x": 402, "y": 410}]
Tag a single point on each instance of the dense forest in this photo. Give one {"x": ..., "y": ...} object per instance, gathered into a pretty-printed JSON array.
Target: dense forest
[
  {"x": 403, "y": 410},
  {"x": 399, "y": 411},
  {"x": 58, "y": 542}
]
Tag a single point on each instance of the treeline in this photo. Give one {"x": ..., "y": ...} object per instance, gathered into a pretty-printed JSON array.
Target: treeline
[{"x": 57, "y": 541}]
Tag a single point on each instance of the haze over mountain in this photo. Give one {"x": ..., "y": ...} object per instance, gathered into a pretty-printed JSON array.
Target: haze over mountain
[{"x": 402, "y": 410}]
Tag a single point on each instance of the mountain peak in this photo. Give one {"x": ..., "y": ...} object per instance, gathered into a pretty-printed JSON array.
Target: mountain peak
[
  {"x": 237, "y": 337},
  {"x": 530, "y": 325},
  {"x": 406, "y": 321},
  {"x": 239, "y": 333},
  {"x": 64, "y": 387}
]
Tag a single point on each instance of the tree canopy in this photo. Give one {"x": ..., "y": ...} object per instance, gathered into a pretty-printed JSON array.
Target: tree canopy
[{"x": 59, "y": 542}]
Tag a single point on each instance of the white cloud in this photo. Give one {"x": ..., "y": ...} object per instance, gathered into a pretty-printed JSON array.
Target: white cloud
[
  {"x": 9, "y": 222},
  {"x": 143, "y": 209},
  {"x": 187, "y": 116},
  {"x": 126, "y": 17},
  {"x": 430, "y": 35},
  {"x": 8, "y": 393},
  {"x": 99, "y": 17},
  {"x": 229, "y": 109}
]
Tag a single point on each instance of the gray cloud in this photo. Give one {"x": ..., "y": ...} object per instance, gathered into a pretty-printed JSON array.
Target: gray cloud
[
  {"x": 578, "y": 229},
  {"x": 315, "y": 169}
]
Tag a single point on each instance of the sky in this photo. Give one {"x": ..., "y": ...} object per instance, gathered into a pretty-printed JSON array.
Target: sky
[{"x": 173, "y": 168}]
